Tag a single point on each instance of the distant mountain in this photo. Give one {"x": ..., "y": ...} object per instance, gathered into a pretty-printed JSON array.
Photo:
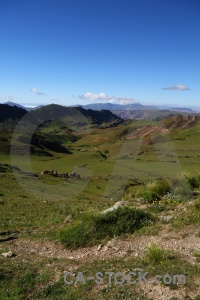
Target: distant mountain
[
  {"x": 112, "y": 107},
  {"x": 76, "y": 116},
  {"x": 72, "y": 116},
  {"x": 11, "y": 112},
  {"x": 36, "y": 107},
  {"x": 182, "y": 109},
  {"x": 138, "y": 111},
  {"x": 135, "y": 106},
  {"x": 97, "y": 114},
  {"x": 23, "y": 106},
  {"x": 15, "y": 104},
  {"x": 100, "y": 117}
]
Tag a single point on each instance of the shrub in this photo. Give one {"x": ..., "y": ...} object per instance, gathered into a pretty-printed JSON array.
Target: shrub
[
  {"x": 96, "y": 227},
  {"x": 155, "y": 254},
  {"x": 161, "y": 187},
  {"x": 150, "y": 196},
  {"x": 122, "y": 220},
  {"x": 156, "y": 189},
  {"x": 197, "y": 204},
  {"x": 106, "y": 151},
  {"x": 180, "y": 187},
  {"x": 193, "y": 181}
]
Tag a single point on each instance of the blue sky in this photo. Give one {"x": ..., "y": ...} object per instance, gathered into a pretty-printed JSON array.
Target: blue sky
[{"x": 82, "y": 51}]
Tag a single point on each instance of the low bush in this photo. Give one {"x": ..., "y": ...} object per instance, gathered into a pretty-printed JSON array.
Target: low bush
[
  {"x": 106, "y": 151},
  {"x": 150, "y": 197},
  {"x": 96, "y": 227},
  {"x": 156, "y": 189},
  {"x": 156, "y": 255},
  {"x": 159, "y": 187},
  {"x": 193, "y": 181},
  {"x": 181, "y": 188},
  {"x": 197, "y": 204}
]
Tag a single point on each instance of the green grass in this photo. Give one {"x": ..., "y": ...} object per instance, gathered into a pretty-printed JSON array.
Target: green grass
[
  {"x": 197, "y": 204},
  {"x": 191, "y": 216}
]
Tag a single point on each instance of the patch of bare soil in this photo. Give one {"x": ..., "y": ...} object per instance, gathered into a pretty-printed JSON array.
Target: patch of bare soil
[
  {"x": 148, "y": 130},
  {"x": 185, "y": 244}
]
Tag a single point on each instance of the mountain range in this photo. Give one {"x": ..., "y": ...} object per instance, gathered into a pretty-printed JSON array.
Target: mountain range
[
  {"x": 54, "y": 127},
  {"x": 74, "y": 116},
  {"x": 127, "y": 111}
]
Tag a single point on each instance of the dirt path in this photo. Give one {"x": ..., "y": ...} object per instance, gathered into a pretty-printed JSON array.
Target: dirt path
[{"x": 133, "y": 246}]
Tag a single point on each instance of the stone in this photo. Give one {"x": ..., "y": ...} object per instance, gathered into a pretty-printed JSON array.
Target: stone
[
  {"x": 68, "y": 219},
  {"x": 111, "y": 243},
  {"x": 8, "y": 254},
  {"x": 115, "y": 206},
  {"x": 99, "y": 247},
  {"x": 166, "y": 218}
]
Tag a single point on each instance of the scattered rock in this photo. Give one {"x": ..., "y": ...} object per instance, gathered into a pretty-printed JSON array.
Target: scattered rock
[
  {"x": 115, "y": 206},
  {"x": 166, "y": 218},
  {"x": 68, "y": 219},
  {"x": 56, "y": 174},
  {"x": 74, "y": 175},
  {"x": 115, "y": 248},
  {"x": 111, "y": 243},
  {"x": 99, "y": 247},
  {"x": 8, "y": 254}
]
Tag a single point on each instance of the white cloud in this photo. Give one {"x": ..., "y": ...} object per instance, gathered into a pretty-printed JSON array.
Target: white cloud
[
  {"x": 103, "y": 97},
  {"x": 177, "y": 87},
  {"x": 124, "y": 100},
  {"x": 35, "y": 91},
  {"x": 95, "y": 97}
]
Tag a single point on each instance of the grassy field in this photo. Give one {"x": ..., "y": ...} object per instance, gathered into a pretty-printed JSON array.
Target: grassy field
[{"x": 140, "y": 162}]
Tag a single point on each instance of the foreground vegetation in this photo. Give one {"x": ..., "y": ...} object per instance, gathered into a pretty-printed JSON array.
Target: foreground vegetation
[{"x": 97, "y": 227}]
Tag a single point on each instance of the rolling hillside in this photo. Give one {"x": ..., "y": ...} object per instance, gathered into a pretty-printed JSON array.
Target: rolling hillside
[{"x": 50, "y": 126}]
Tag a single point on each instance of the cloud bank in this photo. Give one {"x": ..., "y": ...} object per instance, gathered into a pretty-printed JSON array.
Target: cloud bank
[
  {"x": 177, "y": 87},
  {"x": 103, "y": 97},
  {"x": 95, "y": 97}
]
